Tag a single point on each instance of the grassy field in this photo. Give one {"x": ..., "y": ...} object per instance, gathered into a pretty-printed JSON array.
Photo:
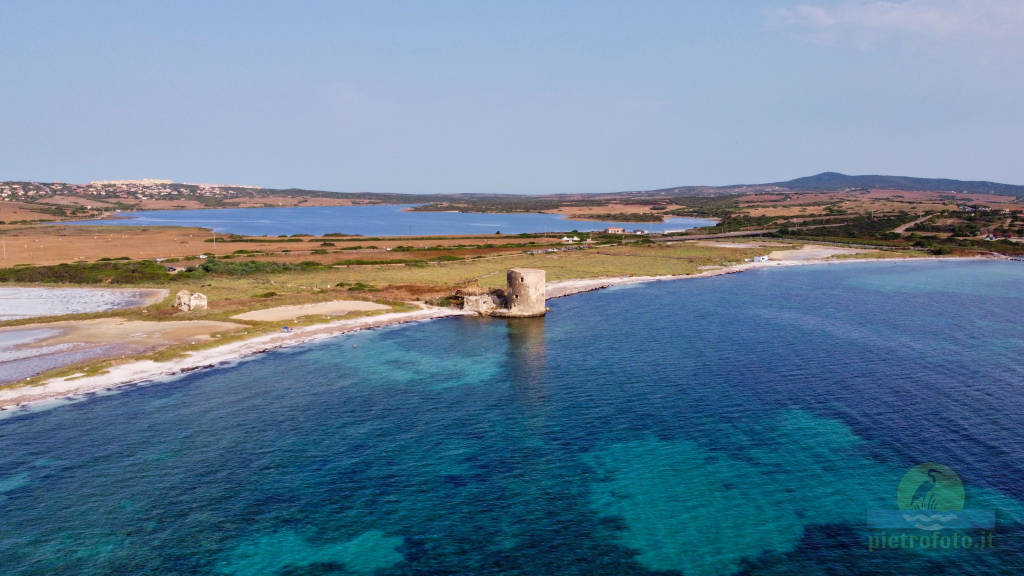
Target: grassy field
[
  {"x": 423, "y": 278},
  {"x": 629, "y": 260},
  {"x": 50, "y": 244},
  {"x": 426, "y": 280}
]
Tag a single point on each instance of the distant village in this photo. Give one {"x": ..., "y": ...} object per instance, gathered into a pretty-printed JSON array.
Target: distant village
[{"x": 145, "y": 189}]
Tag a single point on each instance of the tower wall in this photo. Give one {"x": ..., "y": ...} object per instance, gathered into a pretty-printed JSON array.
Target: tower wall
[{"x": 525, "y": 295}]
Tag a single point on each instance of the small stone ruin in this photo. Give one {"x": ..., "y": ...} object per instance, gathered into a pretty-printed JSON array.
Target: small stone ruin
[{"x": 187, "y": 301}]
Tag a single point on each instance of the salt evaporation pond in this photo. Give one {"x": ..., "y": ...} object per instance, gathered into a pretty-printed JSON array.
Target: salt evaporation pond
[{"x": 19, "y": 302}]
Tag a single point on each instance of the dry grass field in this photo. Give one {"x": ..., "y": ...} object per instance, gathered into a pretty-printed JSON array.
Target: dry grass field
[
  {"x": 861, "y": 201},
  {"x": 49, "y": 244},
  {"x": 589, "y": 212},
  {"x": 17, "y": 211}
]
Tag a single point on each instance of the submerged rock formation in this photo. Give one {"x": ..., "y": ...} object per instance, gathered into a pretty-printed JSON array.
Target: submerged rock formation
[{"x": 524, "y": 297}]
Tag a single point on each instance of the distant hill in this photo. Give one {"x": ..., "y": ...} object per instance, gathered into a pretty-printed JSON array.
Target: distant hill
[
  {"x": 127, "y": 194},
  {"x": 837, "y": 181}
]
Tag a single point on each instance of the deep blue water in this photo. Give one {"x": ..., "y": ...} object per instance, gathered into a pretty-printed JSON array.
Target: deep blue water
[
  {"x": 391, "y": 220},
  {"x": 738, "y": 424}
]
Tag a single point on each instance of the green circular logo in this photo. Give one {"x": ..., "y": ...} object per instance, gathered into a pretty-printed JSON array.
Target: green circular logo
[{"x": 930, "y": 486}]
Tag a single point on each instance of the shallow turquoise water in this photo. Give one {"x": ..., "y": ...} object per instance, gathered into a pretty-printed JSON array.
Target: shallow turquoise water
[
  {"x": 383, "y": 220},
  {"x": 741, "y": 424}
]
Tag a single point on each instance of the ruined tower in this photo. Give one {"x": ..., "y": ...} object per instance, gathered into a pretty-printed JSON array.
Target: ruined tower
[{"x": 524, "y": 296}]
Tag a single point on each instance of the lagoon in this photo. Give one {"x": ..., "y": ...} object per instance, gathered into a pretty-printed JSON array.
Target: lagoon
[{"x": 380, "y": 220}]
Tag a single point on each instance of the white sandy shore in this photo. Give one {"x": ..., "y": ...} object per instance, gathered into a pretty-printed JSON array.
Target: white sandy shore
[
  {"x": 147, "y": 370},
  {"x": 569, "y": 287},
  {"x": 562, "y": 288},
  {"x": 334, "y": 307}
]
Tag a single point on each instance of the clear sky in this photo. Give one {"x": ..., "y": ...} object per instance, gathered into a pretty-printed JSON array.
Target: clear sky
[{"x": 520, "y": 97}]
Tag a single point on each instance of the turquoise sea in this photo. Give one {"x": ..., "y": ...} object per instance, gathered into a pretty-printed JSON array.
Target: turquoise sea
[
  {"x": 383, "y": 220},
  {"x": 742, "y": 424}
]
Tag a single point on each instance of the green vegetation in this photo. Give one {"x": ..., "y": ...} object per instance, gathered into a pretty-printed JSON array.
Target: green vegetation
[
  {"x": 261, "y": 240},
  {"x": 710, "y": 206},
  {"x": 837, "y": 181},
  {"x": 245, "y": 268},
  {"x": 107, "y": 272},
  {"x": 363, "y": 287},
  {"x": 863, "y": 227},
  {"x": 393, "y": 261},
  {"x": 627, "y": 260}
]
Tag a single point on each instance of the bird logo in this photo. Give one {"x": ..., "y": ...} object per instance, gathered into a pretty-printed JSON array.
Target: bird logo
[{"x": 930, "y": 495}]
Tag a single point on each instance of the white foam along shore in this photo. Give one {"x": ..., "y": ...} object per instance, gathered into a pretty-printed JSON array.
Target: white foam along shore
[{"x": 139, "y": 371}]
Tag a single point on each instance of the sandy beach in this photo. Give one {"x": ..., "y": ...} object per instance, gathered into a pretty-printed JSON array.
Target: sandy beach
[
  {"x": 146, "y": 370},
  {"x": 332, "y": 308},
  {"x": 139, "y": 371},
  {"x": 29, "y": 350}
]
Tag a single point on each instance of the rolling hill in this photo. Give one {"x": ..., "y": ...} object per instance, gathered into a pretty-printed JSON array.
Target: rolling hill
[{"x": 837, "y": 181}]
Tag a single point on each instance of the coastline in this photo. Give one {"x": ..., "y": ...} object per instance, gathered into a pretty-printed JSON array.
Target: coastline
[
  {"x": 564, "y": 288},
  {"x": 142, "y": 371}
]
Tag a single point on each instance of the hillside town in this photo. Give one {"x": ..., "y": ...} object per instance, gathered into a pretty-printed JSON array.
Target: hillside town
[{"x": 121, "y": 189}]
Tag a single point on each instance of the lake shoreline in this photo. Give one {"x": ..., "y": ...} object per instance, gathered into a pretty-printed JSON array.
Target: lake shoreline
[{"x": 147, "y": 371}]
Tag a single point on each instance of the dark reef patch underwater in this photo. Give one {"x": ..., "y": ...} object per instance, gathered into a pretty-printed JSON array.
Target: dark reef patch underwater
[{"x": 741, "y": 424}]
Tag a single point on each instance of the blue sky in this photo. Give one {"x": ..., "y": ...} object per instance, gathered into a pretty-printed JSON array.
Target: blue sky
[{"x": 510, "y": 97}]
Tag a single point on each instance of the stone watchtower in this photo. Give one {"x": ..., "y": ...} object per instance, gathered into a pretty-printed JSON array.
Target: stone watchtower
[{"x": 524, "y": 297}]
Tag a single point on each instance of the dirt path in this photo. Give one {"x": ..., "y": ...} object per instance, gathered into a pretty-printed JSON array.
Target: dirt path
[{"x": 902, "y": 228}]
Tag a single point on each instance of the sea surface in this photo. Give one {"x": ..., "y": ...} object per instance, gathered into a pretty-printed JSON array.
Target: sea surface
[
  {"x": 742, "y": 424},
  {"x": 389, "y": 220}
]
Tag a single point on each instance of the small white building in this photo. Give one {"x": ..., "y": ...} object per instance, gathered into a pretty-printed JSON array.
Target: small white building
[
  {"x": 614, "y": 230},
  {"x": 760, "y": 258},
  {"x": 569, "y": 239}
]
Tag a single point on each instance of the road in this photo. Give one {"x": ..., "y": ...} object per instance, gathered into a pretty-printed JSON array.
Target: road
[{"x": 902, "y": 228}]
